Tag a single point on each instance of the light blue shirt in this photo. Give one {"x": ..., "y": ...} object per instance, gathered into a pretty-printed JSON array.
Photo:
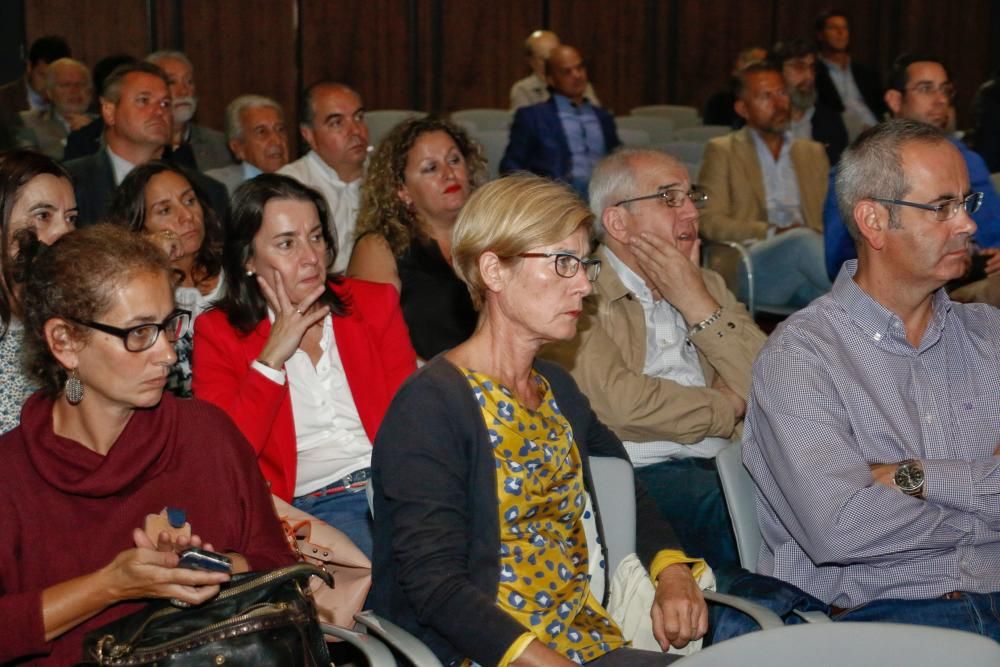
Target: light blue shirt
[
  {"x": 781, "y": 185},
  {"x": 584, "y": 136},
  {"x": 250, "y": 171}
]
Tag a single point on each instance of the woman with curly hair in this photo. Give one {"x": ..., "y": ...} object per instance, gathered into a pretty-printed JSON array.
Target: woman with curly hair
[{"x": 418, "y": 180}]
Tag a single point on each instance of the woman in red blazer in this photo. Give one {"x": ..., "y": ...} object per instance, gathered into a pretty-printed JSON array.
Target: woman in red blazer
[{"x": 304, "y": 362}]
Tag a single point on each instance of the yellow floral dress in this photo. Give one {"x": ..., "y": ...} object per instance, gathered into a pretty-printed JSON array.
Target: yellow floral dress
[{"x": 544, "y": 561}]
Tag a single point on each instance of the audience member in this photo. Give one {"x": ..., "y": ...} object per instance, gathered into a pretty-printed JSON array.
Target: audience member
[
  {"x": 719, "y": 107},
  {"x": 986, "y": 122},
  {"x": 810, "y": 119},
  {"x": 28, "y": 92},
  {"x": 482, "y": 471},
  {"x": 663, "y": 350},
  {"x": 871, "y": 430},
  {"x": 843, "y": 84},
  {"x": 919, "y": 89},
  {"x": 255, "y": 130},
  {"x": 304, "y": 362},
  {"x": 192, "y": 145},
  {"x": 565, "y": 136},
  {"x": 89, "y": 139},
  {"x": 68, "y": 88},
  {"x": 418, "y": 180},
  {"x": 332, "y": 123},
  {"x": 136, "y": 109},
  {"x": 766, "y": 188},
  {"x": 534, "y": 88},
  {"x": 159, "y": 200},
  {"x": 35, "y": 194},
  {"x": 100, "y": 448}
]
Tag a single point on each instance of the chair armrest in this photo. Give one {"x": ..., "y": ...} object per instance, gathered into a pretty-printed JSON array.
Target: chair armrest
[
  {"x": 374, "y": 651},
  {"x": 763, "y": 616},
  {"x": 399, "y": 639},
  {"x": 745, "y": 260}
]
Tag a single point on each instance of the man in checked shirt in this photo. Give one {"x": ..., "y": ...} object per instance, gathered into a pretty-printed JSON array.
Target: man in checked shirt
[{"x": 874, "y": 414}]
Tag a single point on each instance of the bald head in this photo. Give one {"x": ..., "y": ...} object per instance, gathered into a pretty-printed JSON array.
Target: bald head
[
  {"x": 537, "y": 48},
  {"x": 566, "y": 73}
]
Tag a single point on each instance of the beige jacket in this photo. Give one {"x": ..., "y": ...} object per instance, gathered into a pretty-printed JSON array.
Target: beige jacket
[
  {"x": 736, "y": 209},
  {"x": 608, "y": 354}
]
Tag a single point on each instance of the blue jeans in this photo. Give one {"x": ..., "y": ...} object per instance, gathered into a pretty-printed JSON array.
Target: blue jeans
[
  {"x": 346, "y": 511},
  {"x": 689, "y": 495},
  {"x": 789, "y": 269}
]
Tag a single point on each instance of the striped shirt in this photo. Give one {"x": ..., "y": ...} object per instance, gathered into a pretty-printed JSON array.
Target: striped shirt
[{"x": 838, "y": 388}]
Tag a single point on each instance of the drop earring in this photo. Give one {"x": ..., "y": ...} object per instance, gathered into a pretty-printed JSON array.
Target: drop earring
[{"x": 74, "y": 388}]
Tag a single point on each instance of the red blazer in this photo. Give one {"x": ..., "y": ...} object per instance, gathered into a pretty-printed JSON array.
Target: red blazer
[{"x": 374, "y": 347}]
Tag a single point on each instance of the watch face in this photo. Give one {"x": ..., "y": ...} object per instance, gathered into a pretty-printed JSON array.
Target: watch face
[{"x": 909, "y": 477}]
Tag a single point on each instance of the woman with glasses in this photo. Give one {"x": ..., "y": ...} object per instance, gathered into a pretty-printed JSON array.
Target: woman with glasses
[
  {"x": 304, "y": 362},
  {"x": 159, "y": 200},
  {"x": 36, "y": 194},
  {"x": 487, "y": 537},
  {"x": 419, "y": 179},
  {"x": 101, "y": 451}
]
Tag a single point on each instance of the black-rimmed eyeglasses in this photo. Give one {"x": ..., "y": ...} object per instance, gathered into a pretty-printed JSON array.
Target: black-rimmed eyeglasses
[
  {"x": 568, "y": 265},
  {"x": 144, "y": 336},
  {"x": 946, "y": 210},
  {"x": 674, "y": 197}
]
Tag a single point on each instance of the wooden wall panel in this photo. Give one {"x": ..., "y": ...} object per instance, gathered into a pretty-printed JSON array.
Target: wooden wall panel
[
  {"x": 481, "y": 50},
  {"x": 93, "y": 28},
  {"x": 239, "y": 47},
  {"x": 365, "y": 43}
]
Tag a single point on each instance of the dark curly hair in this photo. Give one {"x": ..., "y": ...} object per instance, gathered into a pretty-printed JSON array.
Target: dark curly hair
[
  {"x": 382, "y": 211},
  {"x": 75, "y": 279}
]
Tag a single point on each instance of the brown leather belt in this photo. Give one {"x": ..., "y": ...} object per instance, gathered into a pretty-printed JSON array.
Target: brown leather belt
[{"x": 953, "y": 595}]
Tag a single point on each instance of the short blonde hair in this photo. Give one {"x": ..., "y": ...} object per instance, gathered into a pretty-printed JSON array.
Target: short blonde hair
[{"x": 510, "y": 216}]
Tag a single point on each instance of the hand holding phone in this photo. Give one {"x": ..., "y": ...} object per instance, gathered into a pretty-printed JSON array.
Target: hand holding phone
[{"x": 202, "y": 559}]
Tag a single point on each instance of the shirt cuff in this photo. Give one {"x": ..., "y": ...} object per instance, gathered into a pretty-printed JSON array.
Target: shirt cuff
[
  {"x": 668, "y": 557},
  {"x": 516, "y": 649},
  {"x": 274, "y": 375}
]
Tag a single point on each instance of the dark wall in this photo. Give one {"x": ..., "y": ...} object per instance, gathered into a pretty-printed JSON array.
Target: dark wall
[{"x": 442, "y": 55}]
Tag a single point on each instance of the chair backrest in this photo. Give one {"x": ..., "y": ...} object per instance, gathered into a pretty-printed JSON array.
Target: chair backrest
[
  {"x": 682, "y": 116},
  {"x": 633, "y": 137},
  {"x": 485, "y": 119},
  {"x": 839, "y": 644},
  {"x": 689, "y": 152},
  {"x": 701, "y": 132},
  {"x": 381, "y": 121},
  {"x": 739, "y": 490},
  {"x": 494, "y": 143},
  {"x": 614, "y": 486},
  {"x": 659, "y": 128}
]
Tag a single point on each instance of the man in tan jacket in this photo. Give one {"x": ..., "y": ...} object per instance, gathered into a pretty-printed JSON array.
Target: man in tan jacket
[
  {"x": 766, "y": 191},
  {"x": 663, "y": 350}
]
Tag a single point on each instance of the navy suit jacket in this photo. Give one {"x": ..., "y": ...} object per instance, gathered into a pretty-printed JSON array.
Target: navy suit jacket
[{"x": 538, "y": 143}]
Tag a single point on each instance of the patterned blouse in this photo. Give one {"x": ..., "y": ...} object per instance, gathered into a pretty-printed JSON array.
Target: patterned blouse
[
  {"x": 189, "y": 298},
  {"x": 16, "y": 385},
  {"x": 544, "y": 561}
]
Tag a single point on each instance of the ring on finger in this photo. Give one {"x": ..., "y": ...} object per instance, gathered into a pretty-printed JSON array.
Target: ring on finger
[{"x": 298, "y": 310}]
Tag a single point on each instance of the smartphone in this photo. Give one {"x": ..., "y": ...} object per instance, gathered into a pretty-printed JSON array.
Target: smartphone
[{"x": 200, "y": 559}]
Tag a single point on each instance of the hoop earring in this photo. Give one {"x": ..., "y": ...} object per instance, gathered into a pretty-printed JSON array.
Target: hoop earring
[{"x": 74, "y": 388}]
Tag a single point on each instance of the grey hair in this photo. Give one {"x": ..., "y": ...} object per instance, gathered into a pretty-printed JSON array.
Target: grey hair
[
  {"x": 234, "y": 124},
  {"x": 873, "y": 168},
  {"x": 50, "y": 74},
  {"x": 156, "y": 56},
  {"x": 614, "y": 178}
]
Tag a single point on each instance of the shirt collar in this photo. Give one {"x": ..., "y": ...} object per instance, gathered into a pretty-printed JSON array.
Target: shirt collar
[
  {"x": 119, "y": 165},
  {"x": 563, "y": 103},
  {"x": 629, "y": 281},
  {"x": 329, "y": 173},
  {"x": 250, "y": 171},
  {"x": 786, "y": 142}
]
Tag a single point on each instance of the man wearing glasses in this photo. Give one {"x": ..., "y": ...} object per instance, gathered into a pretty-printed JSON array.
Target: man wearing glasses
[
  {"x": 919, "y": 89},
  {"x": 874, "y": 416},
  {"x": 663, "y": 350}
]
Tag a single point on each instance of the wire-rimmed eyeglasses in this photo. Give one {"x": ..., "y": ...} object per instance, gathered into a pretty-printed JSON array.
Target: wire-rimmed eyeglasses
[
  {"x": 567, "y": 265},
  {"x": 673, "y": 197},
  {"x": 143, "y": 336},
  {"x": 947, "y": 209}
]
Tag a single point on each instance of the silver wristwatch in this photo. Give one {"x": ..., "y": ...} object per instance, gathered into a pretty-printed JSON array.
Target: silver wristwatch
[{"x": 909, "y": 478}]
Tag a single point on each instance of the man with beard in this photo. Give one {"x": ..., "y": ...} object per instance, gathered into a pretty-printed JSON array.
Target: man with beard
[
  {"x": 765, "y": 190},
  {"x": 68, "y": 88},
  {"x": 332, "y": 123},
  {"x": 871, "y": 429},
  {"x": 192, "y": 145},
  {"x": 255, "y": 128},
  {"x": 663, "y": 350},
  {"x": 810, "y": 119},
  {"x": 920, "y": 89}
]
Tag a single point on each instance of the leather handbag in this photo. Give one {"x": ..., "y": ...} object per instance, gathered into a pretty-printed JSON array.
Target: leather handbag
[
  {"x": 322, "y": 545},
  {"x": 258, "y": 618}
]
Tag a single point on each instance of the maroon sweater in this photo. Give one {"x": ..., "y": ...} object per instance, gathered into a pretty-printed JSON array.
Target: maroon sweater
[{"x": 66, "y": 511}]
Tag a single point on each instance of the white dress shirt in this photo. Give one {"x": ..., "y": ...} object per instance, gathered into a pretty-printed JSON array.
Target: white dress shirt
[
  {"x": 119, "y": 165},
  {"x": 329, "y": 436},
  {"x": 342, "y": 198},
  {"x": 668, "y": 357}
]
